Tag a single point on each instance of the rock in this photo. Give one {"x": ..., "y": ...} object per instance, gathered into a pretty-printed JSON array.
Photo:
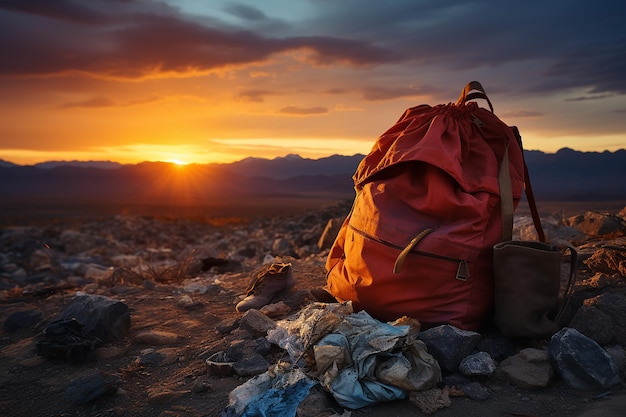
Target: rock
[
  {"x": 593, "y": 323},
  {"x": 608, "y": 261},
  {"x": 240, "y": 349},
  {"x": 187, "y": 303},
  {"x": 251, "y": 365},
  {"x": 480, "y": 363},
  {"x": 199, "y": 387},
  {"x": 74, "y": 242},
  {"x": 431, "y": 400},
  {"x": 162, "y": 357},
  {"x": 618, "y": 354},
  {"x": 533, "y": 355},
  {"x": 497, "y": 345},
  {"x": 597, "y": 224},
  {"x": 581, "y": 362},
  {"x": 279, "y": 309},
  {"x": 247, "y": 252},
  {"x": 553, "y": 229},
  {"x": 22, "y": 320},
  {"x": 200, "y": 285},
  {"x": 330, "y": 233},
  {"x": 101, "y": 317},
  {"x": 476, "y": 391},
  {"x": 283, "y": 247},
  {"x": 256, "y": 323},
  {"x": 228, "y": 325},
  {"x": 88, "y": 388},
  {"x": 221, "y": 265},
  {"x": 449, "y": 345},
  {"x": 125, "y": 260},
  {"x": 613, "y": 304},
  {"x": 529, "y": 369},
  {"x": 600, "y": 280},
  {"x": 157, "y": 338}
]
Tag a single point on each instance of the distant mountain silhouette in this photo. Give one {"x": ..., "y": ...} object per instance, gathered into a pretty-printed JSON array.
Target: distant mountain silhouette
[
  {"x": 570, "y": 175},
  {"x": 566, "y": 175},
  {"x": 294, "y": 165},
  {"x": 6, "y": 164},
  {"x": 79, "y": 164}
]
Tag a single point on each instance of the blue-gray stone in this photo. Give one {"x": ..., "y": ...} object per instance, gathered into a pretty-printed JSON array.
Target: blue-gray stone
[
  {"x": 254, "y": 364},
  {"x": 91, "y": 387},
  {"x": 475, "y": 391},
  {"x": 476, "y": 364},
  {"x": 581, "y": 362},
  {"x": 449, "y": 345},
  {"x": 101, "y": 317},
  {"x": 22, "y": 320}
]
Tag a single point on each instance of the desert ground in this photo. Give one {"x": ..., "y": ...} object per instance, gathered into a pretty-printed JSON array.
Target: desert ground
[{"x": 186, "y": 333}]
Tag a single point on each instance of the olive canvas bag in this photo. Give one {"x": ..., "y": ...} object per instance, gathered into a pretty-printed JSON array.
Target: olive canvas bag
[{"x": 531, "y": 294}]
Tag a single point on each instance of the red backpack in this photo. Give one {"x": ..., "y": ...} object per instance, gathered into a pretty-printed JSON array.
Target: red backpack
[{"x": 433, "y": 196}]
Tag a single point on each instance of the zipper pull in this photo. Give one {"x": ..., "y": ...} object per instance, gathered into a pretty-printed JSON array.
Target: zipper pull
[
  {"x": 462, "y": 272},
  {"x": 397, "y": 266}
]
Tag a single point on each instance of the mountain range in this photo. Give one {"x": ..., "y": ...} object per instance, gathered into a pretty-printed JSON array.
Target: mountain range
[{"x": 566, "y": 175}]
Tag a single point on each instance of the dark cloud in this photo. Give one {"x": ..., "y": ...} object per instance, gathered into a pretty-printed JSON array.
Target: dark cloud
[
  {"x": 566, "y": 44},
  {"x": 104, "y": 101},
  {"x": 94, "y": 102},
  {"x": 328, "y": 50},
  {"x": 303, "y": 111},
  {"x": 389, "y": 93},
  {"x": 519, "y": 114},
  {"x": 587, "y": 98},
  {"x": 254, "y": 96},
  {"x": 555, "y": 45},
  {"x": 68, "y": 10},
  {"x": 245, "y": 12},
  {"x": 138, "y": 43}
]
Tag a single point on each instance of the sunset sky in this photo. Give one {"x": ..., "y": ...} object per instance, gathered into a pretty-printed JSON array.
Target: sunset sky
[{"x": 218, "y": 80}]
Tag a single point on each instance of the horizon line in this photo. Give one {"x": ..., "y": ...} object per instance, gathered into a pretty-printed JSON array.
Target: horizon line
[{"x": 287, "y": 155}]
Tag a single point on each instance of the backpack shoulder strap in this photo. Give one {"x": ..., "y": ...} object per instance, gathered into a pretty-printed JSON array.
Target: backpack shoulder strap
[{"x": 529, "y": 192}]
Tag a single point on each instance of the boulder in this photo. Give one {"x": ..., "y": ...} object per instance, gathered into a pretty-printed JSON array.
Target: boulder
[
  {"x": 102, "y": 317},
  {"x": 529, "y": 369},
  {"x": 449, "y": 345},
  {"x": 608, "y": 261},
  {"x": 598, "y": 224},
  {"x": 581, "y": 362}
]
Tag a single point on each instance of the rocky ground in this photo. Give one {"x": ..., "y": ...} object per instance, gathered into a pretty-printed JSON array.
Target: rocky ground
[{"x": 182, "y": 312}]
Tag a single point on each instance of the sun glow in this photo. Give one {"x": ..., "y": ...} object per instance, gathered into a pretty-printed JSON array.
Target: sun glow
[{"x": 177, "y": 162}]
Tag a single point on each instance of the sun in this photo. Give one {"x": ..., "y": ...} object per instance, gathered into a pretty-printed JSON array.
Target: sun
[{"x": 178, "y": 162}]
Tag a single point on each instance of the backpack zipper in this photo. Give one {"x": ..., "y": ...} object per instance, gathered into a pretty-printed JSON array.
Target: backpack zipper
[{"x": 462, "y": 273}]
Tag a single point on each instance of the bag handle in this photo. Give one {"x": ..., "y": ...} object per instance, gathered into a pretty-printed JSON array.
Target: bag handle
[
  {"x": 467, "y": 95},
  {"x": 570, "y": 281}
]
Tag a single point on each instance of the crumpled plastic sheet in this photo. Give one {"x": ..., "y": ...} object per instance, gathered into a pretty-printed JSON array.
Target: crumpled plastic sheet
[
  {"x": 295, "y": 335},
  {"x": 366, "y": 361},
  {"x": 358, "y": 359},
  {"x": 273, "y": 393}
]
